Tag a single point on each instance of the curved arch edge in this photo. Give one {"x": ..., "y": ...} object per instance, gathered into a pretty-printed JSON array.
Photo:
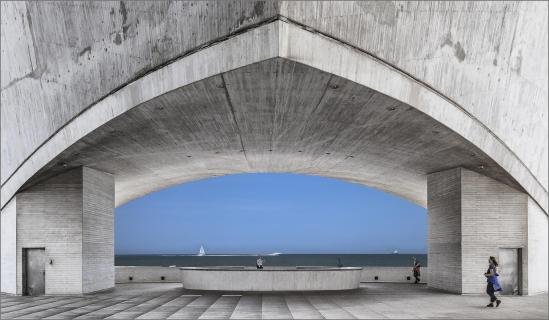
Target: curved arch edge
[
  {"x": 286, "y": 40},
  {"x": 317, "y": 50},
  {"x": 256, "y": 45}
]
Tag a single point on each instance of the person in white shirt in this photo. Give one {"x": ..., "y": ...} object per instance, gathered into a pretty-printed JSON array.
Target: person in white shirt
[{"x": 259, "y": 262}]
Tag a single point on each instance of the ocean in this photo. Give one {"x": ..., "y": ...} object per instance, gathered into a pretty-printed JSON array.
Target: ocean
[{"x": 347, "y": 260}]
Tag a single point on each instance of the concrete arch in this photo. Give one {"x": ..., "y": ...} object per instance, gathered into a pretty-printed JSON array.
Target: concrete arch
[
  {"x": 273, "y": 94},
  {"x": 284, "y": 39},
  {"x": 273, "y": 115}
]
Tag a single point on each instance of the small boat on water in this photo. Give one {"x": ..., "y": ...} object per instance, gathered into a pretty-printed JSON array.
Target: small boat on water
[
  {"x": 201, "y": 252},
  {"x": 395, "y": 252}
]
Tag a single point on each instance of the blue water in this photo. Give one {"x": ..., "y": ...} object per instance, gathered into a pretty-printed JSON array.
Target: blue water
[{"x": 348, "y": 260}]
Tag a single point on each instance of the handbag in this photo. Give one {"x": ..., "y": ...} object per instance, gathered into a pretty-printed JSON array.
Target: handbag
[{"x": 495, "y": 283}]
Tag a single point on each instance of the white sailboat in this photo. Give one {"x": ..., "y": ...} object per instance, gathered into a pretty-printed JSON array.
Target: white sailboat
[{"x": 201, "y": 252}]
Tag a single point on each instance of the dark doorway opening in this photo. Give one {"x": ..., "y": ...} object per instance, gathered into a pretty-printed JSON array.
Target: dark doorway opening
[{"x": 34, "y": 271}]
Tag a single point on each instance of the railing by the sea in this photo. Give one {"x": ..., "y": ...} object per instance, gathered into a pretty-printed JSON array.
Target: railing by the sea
[{"x": 138, "y": 274}]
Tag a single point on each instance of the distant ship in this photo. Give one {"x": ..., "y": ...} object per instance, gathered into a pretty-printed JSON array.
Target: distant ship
[
  {"x": 201, "y": 252},
  {"x": 395, "y": 252},
  {"x": 274, "y": 254}
]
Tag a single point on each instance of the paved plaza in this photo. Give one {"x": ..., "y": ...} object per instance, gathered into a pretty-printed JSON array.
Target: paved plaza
[{"x": 371, "y": 301}]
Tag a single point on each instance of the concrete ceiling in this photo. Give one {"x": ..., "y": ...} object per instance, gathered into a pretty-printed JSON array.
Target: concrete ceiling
[{"x": 273, "y": 116}]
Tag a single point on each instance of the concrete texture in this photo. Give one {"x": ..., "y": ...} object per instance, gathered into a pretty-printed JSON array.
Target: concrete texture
[
  {"x": 382, "y": 94},
  {"x": 97, "y": 230},
  {"x": 499, "y": 75},
  {"x": 492, "y": 216},
  {"x": 49, "y": 216},
  {"x": 147, "y": 274},
  {"x": 71, "y": 216},
  {"x": 537, "y": 249},
  {"x": 8, "y": 250},
  {"x": 270, "y": 278},
  {"x": 470, "y": 217},
  {"x": 83, "y": 51},
  {"x": 444, "y": 242},
  {"x": 273, "y": 116},
  {"x": 392, "y": 274},
  {"x": 370, "y": 301},
  {"x": 433, "y": 95}
]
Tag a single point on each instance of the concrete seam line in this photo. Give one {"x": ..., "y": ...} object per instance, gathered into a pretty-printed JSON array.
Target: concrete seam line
[
  {"x": 82, "y": 171},
  {"x": 233, "y": 114}
]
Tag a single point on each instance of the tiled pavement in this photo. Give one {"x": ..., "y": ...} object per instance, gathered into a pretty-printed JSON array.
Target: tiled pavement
[{"x": 371, "y": 301}]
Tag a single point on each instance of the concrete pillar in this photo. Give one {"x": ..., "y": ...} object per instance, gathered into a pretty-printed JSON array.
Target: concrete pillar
[
  {"x": 8, "y": 250},
  {"x": 72, "y": 216},
  {"x": 470, "y": 218},
  {"x": 444, "y": 244},
  {"x": 537, "y": 276}
]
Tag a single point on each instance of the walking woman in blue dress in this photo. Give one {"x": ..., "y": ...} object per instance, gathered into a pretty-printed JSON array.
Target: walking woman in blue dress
[{"x": 492, "y": 282}]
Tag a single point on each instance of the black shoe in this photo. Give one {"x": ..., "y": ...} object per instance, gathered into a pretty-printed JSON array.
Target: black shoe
[
  {"x": 491, "y": 305},
  {"x": 498, "y": 303}
]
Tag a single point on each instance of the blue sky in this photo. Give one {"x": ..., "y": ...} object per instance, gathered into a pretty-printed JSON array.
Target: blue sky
[{"x": 264, "y": 213}]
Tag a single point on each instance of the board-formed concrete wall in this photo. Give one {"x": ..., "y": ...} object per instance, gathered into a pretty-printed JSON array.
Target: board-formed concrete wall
[
  {"x": 493, "y": 216},
  {"x": 8, "y": 250},
  {"x": 470, "y": 218},
  {"x": 97, "y": 230},
  {"x": 49, "y": 215},
  {"x": 444, "y": 243},
  {"x": 71, "y": 216},
  {"x": 537, "y": 249}
]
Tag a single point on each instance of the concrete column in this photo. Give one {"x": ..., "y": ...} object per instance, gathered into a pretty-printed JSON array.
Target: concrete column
[
  {"x": 8, "y": 249},
  {"x": 72, "y": 216},
  {"x": 444, "y": 244},
  {"x": 537, "y": 276},
  {"x": 470, "y": 218}
]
